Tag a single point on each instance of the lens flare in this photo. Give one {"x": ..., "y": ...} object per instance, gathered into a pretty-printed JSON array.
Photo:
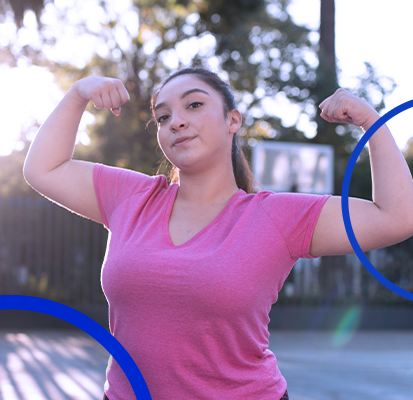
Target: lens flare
[{"x": 346, "y": 327}]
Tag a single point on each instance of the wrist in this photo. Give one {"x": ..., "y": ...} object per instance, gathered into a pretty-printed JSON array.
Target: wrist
[
  {"x": 73, "y": 93},
  {"x": 372, "y": 118}
]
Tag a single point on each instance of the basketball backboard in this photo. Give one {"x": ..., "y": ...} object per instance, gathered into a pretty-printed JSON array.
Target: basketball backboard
[{"x": 294, "y": 167}]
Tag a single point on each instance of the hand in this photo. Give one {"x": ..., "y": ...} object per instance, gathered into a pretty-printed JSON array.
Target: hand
[
  {"x": 343, "y": 107},
  {"x": 104, "y": 92}
]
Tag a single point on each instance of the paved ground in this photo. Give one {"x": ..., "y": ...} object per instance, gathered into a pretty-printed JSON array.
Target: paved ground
[
  {"x": 370, "y": 366},
  {"x": 52, "y": 365},
  {"x": 63, "y": 365}
]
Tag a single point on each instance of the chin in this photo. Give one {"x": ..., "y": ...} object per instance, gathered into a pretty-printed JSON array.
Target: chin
[
  {"x": 191, "y": 168},
  {"x": 185, "y": 161}
]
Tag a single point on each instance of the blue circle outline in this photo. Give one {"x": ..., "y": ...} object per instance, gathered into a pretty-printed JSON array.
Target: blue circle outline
[
  {"x": 344, "y": 199},
  {"x": 89, "y": 326}
]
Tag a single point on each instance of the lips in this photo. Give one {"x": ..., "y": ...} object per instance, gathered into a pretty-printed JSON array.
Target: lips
[{"x": 183, "y": 139}]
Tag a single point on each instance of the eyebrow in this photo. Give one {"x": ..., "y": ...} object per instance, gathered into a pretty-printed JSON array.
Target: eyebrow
[{"x": 183, "y": 95}]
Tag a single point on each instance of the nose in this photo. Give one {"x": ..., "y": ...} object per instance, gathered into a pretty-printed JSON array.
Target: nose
[{"x": 178, "y": 123}]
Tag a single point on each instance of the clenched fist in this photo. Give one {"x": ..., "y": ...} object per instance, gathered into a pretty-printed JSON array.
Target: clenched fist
[
  {"x": 343, "y": 107},
  {"x": 104, "y": 92}
]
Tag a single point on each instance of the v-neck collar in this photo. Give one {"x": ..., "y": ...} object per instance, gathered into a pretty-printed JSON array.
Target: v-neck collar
[{"x": 168, "y": 211}]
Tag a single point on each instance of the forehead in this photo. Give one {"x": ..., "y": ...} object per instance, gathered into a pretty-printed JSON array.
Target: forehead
[{"x": 174, "y": 88}]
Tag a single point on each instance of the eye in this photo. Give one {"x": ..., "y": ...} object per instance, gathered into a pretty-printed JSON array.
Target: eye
[
  {"x": 162, "y": 118},
  {"x": 196, "y": 104}
]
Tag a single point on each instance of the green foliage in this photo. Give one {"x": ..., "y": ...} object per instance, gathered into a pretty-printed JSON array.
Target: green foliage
[
  {"x": 257, "y": 44},
  {"x": 263, "y": 53}
]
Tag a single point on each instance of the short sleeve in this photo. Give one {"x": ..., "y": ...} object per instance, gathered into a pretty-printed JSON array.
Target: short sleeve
[
  {"x": 295, "y": 215},
  {"x": 114, "y": 185}
]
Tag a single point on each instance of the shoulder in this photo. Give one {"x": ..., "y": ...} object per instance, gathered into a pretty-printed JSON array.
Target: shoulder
[
  {"x": 287, "y": 197},
  {"x": 268, "y": 199},
  {"x": 291, "y": 206},
  {"x": 116, "y": 187},
  {"x": 126, "y": 181}
]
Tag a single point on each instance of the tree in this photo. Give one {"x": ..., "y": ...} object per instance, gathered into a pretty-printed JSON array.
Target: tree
[
  {"x": 20, "y": 6},
  {"x": 343, "y": 138},
  {"x": 268, "y": 59},
  {"x": 256, "y": 43},
  {"x": 263, "y": 52}
]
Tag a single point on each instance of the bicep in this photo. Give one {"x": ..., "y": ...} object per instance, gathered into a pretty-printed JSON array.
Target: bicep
[
  {"x": 372, "y": 227},
  {"x": 71, "y": 185}
]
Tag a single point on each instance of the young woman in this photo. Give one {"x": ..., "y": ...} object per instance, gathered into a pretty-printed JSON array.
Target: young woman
[{"x": 192, "y": 268}]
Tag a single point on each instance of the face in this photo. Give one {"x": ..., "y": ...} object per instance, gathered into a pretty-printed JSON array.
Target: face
[{"x": 193, "y": 131}]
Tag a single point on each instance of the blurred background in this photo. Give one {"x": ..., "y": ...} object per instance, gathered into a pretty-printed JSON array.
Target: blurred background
[{"x": 282, "y": 57}]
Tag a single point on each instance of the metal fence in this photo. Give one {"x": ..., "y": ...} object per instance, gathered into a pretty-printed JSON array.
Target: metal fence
[
  {"x": 344, "y": 280},
  {"x": 49, "y": 252}
]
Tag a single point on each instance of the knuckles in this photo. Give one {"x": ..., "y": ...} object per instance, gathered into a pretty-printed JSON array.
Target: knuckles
[{"x": 101, "y": 90}]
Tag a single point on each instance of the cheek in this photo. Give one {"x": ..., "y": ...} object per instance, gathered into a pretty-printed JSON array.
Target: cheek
[{"x": 163, "y": 141}]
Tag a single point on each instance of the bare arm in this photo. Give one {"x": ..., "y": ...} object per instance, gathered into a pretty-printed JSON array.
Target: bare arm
[
  {"x": 386, "y": 220},
  {"x": 49, "y": 167}
]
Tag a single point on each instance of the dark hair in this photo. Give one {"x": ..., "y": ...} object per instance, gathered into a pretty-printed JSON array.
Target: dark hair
[{"x": 242, "y": 171}]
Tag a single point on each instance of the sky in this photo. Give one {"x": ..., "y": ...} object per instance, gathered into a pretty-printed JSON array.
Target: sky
[{"x": 374, "y": 31}]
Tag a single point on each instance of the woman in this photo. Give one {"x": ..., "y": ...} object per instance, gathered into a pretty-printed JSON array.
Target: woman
[{"x": 192, "y": 268}]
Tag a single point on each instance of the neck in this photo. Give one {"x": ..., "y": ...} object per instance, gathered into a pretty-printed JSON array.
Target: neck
[{"x": 216, "y": 185}]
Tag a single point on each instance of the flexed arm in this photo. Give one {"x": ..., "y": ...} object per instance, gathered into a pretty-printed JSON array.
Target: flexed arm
[
  {"x": 386, "y": 220},
  {"x": 49, "y": 167}
]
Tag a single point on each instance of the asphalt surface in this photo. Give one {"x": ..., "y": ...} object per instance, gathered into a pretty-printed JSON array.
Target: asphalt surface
[
  {"x": 63, "y": 365},
  {"x": 364, "y": 366}
]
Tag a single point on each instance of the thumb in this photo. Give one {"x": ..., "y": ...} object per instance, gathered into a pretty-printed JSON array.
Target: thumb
[{"x": 115, "y": 111}]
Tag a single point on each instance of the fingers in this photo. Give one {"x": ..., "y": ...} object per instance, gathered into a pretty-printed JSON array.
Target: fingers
[
  {"x": 334, "y": 108},
  {"x": 344, "y": 107},
  {"x": 325, "y": 102},
  {"x": 97, "y": 101},
  {"x": 118, "y": 96},
  {"x": 346, "y": 120},
  {"x": 110, "y": 94},
  {"x": 107, "y": 100},
  {"x": 339, "y": 117},
  {"x": 123, "y": 93}
]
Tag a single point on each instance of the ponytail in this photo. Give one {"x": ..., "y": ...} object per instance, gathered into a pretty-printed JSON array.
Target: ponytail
[{"x": 242, "y": 171}]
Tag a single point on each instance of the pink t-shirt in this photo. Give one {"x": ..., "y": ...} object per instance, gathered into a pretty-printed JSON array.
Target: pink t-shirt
[{"x": 194, "y": 317}]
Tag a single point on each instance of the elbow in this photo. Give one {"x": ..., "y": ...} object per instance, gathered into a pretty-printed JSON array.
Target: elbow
[
  {"x": 30, "y": 175},
  {"x": 410, "y": 226},
  {"x": 402, "y": 228},
  {"x": 27, "y": 173}
]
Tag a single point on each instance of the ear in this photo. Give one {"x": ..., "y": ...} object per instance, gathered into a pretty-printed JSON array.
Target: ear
[{"x": 235, "y": 120}]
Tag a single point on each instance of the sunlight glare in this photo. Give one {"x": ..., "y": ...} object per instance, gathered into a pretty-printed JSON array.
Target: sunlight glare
[{"x": 28, "y": 96}]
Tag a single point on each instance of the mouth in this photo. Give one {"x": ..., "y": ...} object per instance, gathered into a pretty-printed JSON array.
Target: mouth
[{"x": 183, "y": 140}]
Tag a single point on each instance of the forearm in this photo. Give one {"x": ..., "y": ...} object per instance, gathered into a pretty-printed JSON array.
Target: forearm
[
  {"x": 391, "y": 177},
  {"x": 55, "y": 140}
]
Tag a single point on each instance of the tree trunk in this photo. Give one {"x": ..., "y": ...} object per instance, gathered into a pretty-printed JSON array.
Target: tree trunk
[
  {"x": 327, "y": 34},
  {"x": 327, "y": 84}
]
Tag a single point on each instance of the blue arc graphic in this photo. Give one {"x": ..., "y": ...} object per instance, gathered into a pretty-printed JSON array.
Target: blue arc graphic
[
  {"x": 344, "y": 199},
  {"x": 88, "y": 325}
]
